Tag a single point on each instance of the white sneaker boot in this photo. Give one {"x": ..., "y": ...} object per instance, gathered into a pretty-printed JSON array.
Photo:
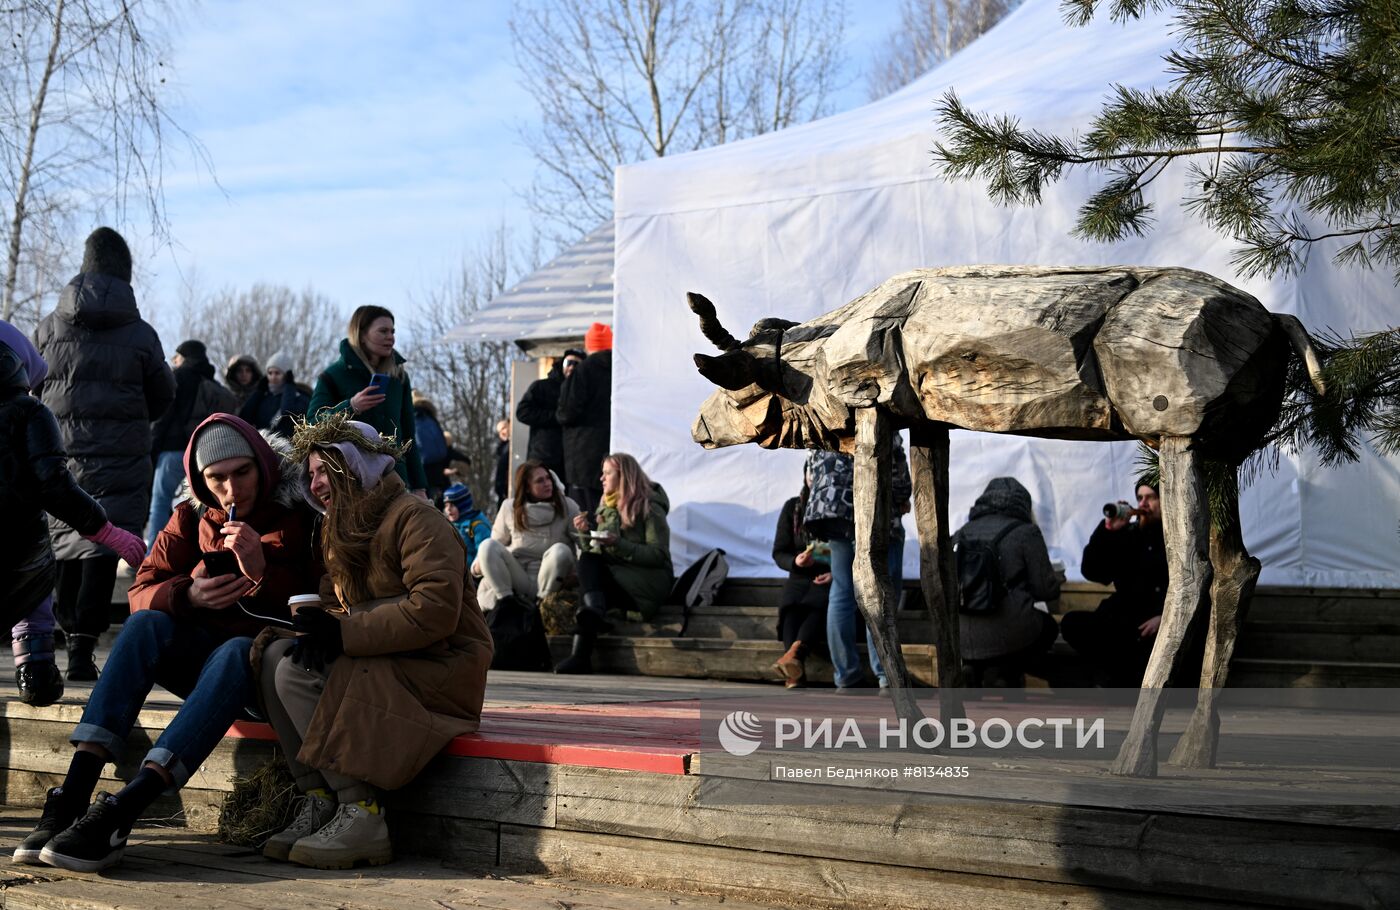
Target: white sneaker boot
[
  {"x": 357, "y": 834},
  {"x": 316, "y": 810}
]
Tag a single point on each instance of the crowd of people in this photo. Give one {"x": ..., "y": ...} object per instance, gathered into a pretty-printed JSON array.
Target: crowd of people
[
  {"x": 296, "y": 564},
  {"x": 1009, "y": 636}
]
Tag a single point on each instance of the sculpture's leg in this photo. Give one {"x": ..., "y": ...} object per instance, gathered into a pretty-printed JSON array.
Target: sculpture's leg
[
  {"x": 874, "y": 592},
  {"x": 1185, "y": 527},
  {"x": 1235, "y": 573},
  {"x": 938, "y": 577}
]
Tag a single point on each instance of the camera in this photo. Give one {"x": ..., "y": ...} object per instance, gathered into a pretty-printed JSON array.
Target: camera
[{"x": 1117, "y": 510}]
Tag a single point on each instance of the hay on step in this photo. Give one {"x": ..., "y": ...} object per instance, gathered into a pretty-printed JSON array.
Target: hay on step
[{"x": 260, "y": 805}]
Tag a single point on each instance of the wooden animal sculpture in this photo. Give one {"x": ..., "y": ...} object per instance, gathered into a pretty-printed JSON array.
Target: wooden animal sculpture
[{"x": 1177, "y": 358}]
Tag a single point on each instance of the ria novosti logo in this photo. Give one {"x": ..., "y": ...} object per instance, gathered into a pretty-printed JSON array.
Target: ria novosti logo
[{"x": 740, "y": 733}]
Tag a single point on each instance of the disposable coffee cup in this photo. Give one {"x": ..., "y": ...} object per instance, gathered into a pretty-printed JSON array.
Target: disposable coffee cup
[{"x": 303, "y": 601}]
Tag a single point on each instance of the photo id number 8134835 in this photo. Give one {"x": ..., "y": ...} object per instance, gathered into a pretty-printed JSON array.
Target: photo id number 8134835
[{"x": 936, "y": 771}]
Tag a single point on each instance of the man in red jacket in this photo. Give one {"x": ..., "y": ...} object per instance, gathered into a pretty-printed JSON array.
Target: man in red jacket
[{"x": 190, "y": 631}]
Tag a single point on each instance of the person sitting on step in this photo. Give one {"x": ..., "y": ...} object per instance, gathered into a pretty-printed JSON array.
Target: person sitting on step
[
  {"x": 470, "y": 522},
  {"x": 626, "y": 565},
  {"x": 388, "y": 668},
  {"x": 997, "y": 646},
  {"x": 802, "y": 615},
  {"x": 189, "y": 632},
  {"x": 531, "y": 549}
]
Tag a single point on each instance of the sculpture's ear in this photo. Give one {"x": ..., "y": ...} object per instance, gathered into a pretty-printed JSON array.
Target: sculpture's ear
[{"x": 732, "y": 370}]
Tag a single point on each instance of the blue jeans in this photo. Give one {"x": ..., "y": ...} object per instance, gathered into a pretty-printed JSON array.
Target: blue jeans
[
  {"x": 213, "y": 676},
  {"x": 170, "y": 471},
  {"x": 842, "y": 613}
]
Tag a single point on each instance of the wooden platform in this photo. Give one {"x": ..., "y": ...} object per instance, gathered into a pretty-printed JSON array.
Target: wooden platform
[
  {"x": 598, "y": 778},
  {"x": 175, "y": 869}
]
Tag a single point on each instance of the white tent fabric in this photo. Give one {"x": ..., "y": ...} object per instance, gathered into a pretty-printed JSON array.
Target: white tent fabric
[
  {"x": 554, "y": 304},
  {"x": 795, "y": 223}
]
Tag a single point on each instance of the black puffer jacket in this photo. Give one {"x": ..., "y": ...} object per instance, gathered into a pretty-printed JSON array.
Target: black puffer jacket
[
  {"x": 197, "y": 396},
  {"x": 107, "y": 381},
  {"x": 537, "y": 410},
  {"x": 585, "y": 413},
  {"x": 34, "y": 474}
]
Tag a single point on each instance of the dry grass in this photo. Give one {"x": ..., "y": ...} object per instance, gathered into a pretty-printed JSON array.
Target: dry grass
[{"x": 259, "y": 806}]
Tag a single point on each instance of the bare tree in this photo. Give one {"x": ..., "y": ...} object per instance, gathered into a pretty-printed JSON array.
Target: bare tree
[
  {"x": 620, "y": 81},
  {"x": 469, "y": 384},
  {"x": 81, "y": 129},
  {"x": 263, "y": 320},
  {"x": 929, "y": 32}
]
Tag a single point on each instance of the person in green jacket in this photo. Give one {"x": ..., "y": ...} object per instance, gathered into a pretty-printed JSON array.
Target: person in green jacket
[
  {"x": 368, "y": 348},
  {"x": 625, "y": 565}
]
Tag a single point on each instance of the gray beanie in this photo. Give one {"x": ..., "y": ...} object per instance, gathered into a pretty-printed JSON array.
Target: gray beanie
[
  {"x": 217, "y": 442},
  {"x": 281, "y": 360}
]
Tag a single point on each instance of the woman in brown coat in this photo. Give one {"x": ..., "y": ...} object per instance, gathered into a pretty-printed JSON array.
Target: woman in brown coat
[{"x": 389, "y": 669}]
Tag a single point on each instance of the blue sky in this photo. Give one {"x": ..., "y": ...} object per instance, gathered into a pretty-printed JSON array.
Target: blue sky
[{"x": 359, "y": 147}]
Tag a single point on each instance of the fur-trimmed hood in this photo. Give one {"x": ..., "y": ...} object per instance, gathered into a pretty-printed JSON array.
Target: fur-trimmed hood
[{"x": 286, "y": 491}]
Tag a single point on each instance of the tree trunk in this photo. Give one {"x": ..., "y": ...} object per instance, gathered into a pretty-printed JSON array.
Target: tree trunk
[{"x": 36, "y": 112}]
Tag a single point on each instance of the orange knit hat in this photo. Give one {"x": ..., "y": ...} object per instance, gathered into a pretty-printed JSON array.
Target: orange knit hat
[{"x": 597, "y": 338}]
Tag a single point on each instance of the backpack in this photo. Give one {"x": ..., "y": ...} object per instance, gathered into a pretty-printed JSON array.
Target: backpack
[
  {"x": 518, "y": 636},
  {"x": 698, "y": 585},
  {"x": 981, "y": 587},
  {"x": 432, "y": 445}
]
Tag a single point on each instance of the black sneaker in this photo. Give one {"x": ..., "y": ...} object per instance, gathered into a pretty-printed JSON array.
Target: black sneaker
[
  {"x": 57, "y": 816},
  {"x": 92, "y": 843}
]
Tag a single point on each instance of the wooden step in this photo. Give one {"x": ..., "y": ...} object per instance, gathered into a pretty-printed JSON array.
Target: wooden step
[
  {"x": 716, "y": 658},
  {"x": 1320, "y": 641},
  {"x": 748, "y": 623},
  {"x": 1288, "y": 674},
  {"x": 1361, "y": 605},
  {"x": 1019, "y": 839}
]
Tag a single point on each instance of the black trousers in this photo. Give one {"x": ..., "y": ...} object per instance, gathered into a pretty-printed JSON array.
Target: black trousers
[
  {"x": 802, "y": 617},
  {"x": 83, "y": 600},
  {"x": 594, "y": 575},
  {"x": 587, "y": 499},
  {"x": 1007, "y": 669}
]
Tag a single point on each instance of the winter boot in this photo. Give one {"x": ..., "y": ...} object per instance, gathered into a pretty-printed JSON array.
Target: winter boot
[
  {"x": 317, "y": 809},
  {"x": 592, "y": 621},
  {"x": 356, "y": 833},
  {"x": 789, "y": 667},
  {"x": 81, "y": 666},
  {"x": 36, "y": 675}
]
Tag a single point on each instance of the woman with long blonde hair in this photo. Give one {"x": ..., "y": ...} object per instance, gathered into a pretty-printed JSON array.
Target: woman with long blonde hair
[
  {"x": 626, "y": 567},
  {"x": 531, "y": 550}
]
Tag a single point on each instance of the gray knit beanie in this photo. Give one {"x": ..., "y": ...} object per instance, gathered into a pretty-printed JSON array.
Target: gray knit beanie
[
  {"x": 217, "y": 442},
  {"x": 281, "y": 360}
]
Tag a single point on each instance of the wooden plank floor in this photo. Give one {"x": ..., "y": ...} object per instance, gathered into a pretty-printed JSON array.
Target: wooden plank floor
[{"x": 172, "y": 868}]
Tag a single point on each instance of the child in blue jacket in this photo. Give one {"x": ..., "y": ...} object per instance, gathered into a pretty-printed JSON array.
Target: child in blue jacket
[{"x": 469, "y": 521}]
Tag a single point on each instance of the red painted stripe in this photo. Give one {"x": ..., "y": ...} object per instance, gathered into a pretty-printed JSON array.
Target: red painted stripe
[{"x": 620, "y": 750}]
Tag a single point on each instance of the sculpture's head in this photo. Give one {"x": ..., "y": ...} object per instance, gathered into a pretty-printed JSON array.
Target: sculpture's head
[{"x": 762, "y": 398}]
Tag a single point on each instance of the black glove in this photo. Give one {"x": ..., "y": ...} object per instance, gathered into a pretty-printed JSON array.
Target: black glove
[{"x": 320, "y": 642}]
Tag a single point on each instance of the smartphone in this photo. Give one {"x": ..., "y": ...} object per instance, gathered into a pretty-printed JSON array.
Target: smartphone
[
  {"x": 381, "y": 382},
  {"x": 221, "y": 562}
]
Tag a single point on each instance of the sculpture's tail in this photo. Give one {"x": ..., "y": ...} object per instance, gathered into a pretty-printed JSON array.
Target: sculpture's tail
[{"x": 1302, "y": 343}]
